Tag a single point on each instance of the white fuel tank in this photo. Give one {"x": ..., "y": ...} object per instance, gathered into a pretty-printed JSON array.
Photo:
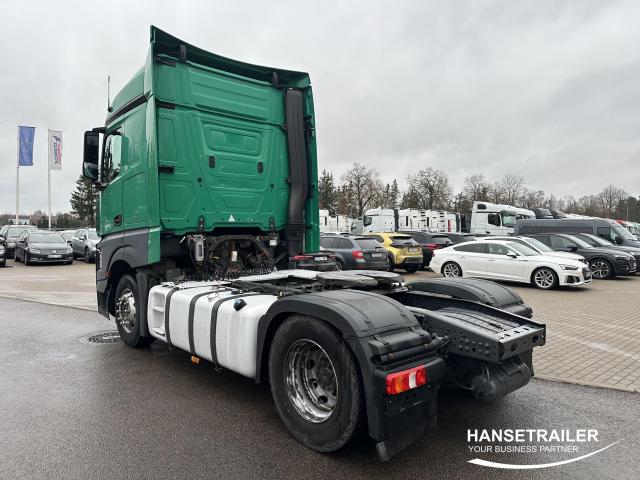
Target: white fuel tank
[{"x": 212, "y": 321}]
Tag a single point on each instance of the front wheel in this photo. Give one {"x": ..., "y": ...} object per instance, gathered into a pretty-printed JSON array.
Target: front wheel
[
  {"x": 87, "y": 256},
  {"x": 315, "y": 383},
  {"x": 601, "y": 269},
  {"x": 451, "y": 269},
  {"x": 411, "y": 269},
  {"x": 127, "y": 313},
  {"x": 544, "y": 278},
  {"x": 26, "y": 258}
]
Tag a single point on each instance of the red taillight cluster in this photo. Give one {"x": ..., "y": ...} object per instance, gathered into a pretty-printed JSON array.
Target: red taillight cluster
[
  {"x": 433, "y": 246},
  {"x": 357, "y": 254},
  {"x": 302, "y": 257},
  {"x": 406, "y": 380}
]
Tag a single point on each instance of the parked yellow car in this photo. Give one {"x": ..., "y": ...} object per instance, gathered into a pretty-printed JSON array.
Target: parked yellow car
[{"x": 404, "y": 251}]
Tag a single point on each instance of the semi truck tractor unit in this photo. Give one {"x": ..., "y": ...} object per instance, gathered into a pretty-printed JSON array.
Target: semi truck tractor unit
[{"x": 208, "y": 211}]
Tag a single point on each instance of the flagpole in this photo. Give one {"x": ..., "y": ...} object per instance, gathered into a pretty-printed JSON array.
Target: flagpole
[
  {"x": 49, "y": 173},
  {"x": 18, "y": 176}
]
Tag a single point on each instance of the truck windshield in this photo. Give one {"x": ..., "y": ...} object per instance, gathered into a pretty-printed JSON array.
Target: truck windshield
[
  {"x": 508, "y": 219},
  {"x": 622, "y": 232}
]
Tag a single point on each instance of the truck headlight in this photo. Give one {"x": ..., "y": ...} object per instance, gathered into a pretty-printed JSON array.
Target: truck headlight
[{"x": 568, "y": 267}]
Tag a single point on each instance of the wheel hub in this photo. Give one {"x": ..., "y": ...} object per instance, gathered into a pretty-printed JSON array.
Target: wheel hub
[
  {"x": 311, "y": 381},
  {"x": 126, "y": 310}
]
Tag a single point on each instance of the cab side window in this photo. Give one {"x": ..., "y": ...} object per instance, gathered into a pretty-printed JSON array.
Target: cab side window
[
  {"x": 494, "y": 219},
  {"x": 111, "y": 157}
]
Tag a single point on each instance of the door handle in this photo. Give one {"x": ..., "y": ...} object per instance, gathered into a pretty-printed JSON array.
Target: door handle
[{"x": 117, "y": 220}]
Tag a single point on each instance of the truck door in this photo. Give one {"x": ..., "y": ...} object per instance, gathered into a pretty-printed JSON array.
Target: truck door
[{"x": 111, "y": 196}]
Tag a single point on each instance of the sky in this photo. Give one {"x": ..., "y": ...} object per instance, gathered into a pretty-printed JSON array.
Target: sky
[{"x": 544, "y": 89}]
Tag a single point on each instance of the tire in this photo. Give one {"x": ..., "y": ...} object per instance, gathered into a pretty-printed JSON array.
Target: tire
[
  {"x": 87, "y": 257},
  {"x": 26, "y": 258},
  {"x": 451, "y": 270},
  {"x": 544, "y": 278},
  {"x": 601, "y": 268},
  {"x": 339, "y": 265},
  {"x": 3, "y": 264},
  {"x": 15, "y": 256},
  {"x": 127, "y": 313},
  {"x": 323, "y": 423},
  {"x": 411, "y": 269},
  {"x": 391, "y": 266}
]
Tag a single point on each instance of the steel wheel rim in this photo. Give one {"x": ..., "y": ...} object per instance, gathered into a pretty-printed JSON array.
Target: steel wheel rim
[
  {"x": 339, "y": 266},
  {"x": 311, "y": 381},
  {"x": 451, "y": 270},
  {"x": 544, "y": 278},
  {"x": 126, "y": 310},
  {"x": 599, "y": 269}
]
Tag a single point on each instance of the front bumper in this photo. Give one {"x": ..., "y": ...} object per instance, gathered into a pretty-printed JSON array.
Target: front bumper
[
  {"x": 47, "y": 257},
  {"x": 624, "y": 267},
  {"x": 575, "y": 278}
]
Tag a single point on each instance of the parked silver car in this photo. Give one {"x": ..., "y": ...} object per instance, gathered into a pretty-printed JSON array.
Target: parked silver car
[{"x": 84, "y": 243}]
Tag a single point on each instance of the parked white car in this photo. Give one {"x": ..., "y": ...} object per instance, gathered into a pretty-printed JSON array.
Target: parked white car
[
  {"x": 509, "y": 261},
  {"x": 540, "y": 247}
]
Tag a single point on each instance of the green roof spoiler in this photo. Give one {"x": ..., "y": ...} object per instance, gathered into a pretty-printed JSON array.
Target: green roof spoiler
[{"x": 165, "y": 44}]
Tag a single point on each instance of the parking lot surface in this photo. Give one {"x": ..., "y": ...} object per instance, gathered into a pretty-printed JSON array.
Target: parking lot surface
[
  {"x": 593, "y": 332},
  {"x": 71, "y": 409}
]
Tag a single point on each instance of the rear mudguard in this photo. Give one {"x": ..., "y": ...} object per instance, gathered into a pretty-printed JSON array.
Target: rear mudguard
[
  {"x": 483, "y": 291},
  {"x": 385, "y": 337}
]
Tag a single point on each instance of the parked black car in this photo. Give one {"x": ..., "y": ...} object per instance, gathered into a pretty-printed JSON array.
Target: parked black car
[
  {"x": 84, "y": 243},
  {"x": 11, "y": 233},
  {"x": 429, "y": 242},
  {"x": 461, "y": 237},
  {"x": 356, "y": 253},
  {"x": 42, "y": 247},
  {"x": 3, "y": 251},
  {"x": 603, "y": 262},
  {"x": 600, "y": 242}
]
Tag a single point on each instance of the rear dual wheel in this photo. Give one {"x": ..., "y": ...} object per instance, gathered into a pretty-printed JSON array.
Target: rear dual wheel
[{"x": 315, "y": 383}]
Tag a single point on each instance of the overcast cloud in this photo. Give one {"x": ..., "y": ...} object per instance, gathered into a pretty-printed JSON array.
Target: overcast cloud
[{"x": 545, "y": 89}]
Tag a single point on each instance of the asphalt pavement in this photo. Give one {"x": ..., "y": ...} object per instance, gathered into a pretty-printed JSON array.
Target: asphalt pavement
[{"x": 72, "y": 409}]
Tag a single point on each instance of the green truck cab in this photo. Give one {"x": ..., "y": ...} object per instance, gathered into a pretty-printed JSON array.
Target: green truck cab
[{"x": 207, "y": 170}]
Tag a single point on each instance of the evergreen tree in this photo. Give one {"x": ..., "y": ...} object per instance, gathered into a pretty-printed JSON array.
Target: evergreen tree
[
  {"x": 327, "y": 192},
  {"x": 83, "y": 201}
]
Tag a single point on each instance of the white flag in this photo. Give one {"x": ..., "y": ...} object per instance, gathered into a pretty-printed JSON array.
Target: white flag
[{"x": 55, "y": 150}]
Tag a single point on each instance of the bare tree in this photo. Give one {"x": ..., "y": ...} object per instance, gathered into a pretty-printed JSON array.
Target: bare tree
[
  {"x": 532, "y": 199},
  {"x": 476, "y": 188},
  {"x": 496, "y": 193},
  {"x": 365, "y": 186},
  {"x": 609, "y": 199},
  {"x": 512, "y": 187},
  {"x": 431, "y": 189}
]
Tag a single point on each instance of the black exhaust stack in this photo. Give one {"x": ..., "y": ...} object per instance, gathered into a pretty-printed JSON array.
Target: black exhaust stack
[{"x": 298, "y": 171}]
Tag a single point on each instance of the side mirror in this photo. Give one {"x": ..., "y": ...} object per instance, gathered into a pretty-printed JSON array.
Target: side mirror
[
  {"x": 619, "y": 241},
  {"x": 573, "y": 248},
  {"x": 91, "y": 155},
  {"x": 512, "y": 255}
]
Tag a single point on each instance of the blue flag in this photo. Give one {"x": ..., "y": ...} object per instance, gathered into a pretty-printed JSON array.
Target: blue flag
[{"x": 25, "y": 146}]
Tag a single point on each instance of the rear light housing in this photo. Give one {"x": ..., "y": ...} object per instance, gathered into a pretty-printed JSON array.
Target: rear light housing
[
  {"x": 406, "y": 380},
  {"x": 433, "y": 246},
  {"x": 297, "y": 258},
  {"x": 357, "y": 254}
]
